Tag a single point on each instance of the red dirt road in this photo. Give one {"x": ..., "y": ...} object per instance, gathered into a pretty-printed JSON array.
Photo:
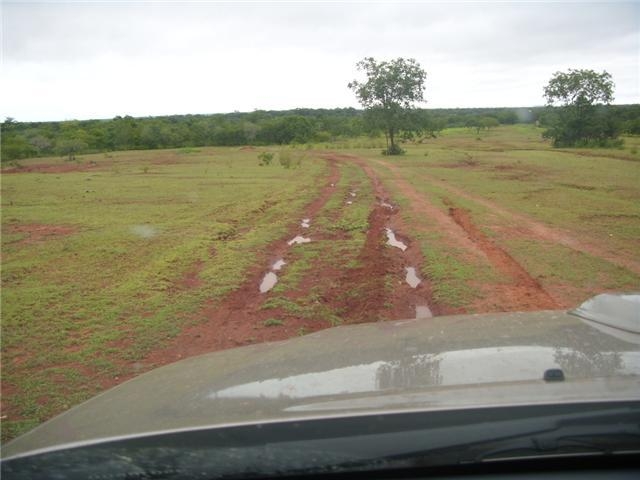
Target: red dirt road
[{"x": 239, "y": 319}]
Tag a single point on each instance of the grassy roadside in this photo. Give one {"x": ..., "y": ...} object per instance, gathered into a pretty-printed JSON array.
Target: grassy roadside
[{"x": 148, "y": 237}]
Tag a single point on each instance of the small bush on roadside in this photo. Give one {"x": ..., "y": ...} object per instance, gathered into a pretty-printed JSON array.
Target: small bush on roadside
[
  {"x": 265, "y": 158},
  {"x": 393, "y": 150}
]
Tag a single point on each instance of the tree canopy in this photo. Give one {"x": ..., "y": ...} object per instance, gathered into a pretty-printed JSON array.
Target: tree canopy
[
  {"x": 389, "y": 93},
  {"x": 575, "y": 100}
]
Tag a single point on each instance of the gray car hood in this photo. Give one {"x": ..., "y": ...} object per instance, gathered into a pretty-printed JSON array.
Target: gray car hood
[{"x": 439, "y": 363}]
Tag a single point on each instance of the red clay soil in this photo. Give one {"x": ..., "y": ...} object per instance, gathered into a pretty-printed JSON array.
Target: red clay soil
[
  {"x": 37, "y": 232},
  {"x": 53, "y": 168},
  {"x": 521, "y": 291}
]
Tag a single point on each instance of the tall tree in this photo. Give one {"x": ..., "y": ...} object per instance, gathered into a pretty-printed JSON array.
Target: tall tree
[
  {"x": 389, "y": 93},
  {"x": 575, "y": 100}
]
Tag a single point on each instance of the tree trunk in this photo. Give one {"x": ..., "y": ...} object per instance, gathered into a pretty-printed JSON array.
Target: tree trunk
[{"x": 392, "y": 148}]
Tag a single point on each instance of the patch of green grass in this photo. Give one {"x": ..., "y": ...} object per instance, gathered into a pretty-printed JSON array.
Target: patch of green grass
[
  {"x": 272, "y": 322},
  {"x": 556, "y": 266},
  {"x": 452, "y": 276}
]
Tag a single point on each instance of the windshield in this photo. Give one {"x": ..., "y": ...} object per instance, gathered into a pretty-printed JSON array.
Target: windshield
[{"x": 182, "y": 179}]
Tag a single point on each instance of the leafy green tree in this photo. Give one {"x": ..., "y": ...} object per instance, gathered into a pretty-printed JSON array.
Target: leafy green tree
[
  {"x": 577, "y": 116},
  {"x": 389, "y": 93},
  {"x": 70, "y": 147}
]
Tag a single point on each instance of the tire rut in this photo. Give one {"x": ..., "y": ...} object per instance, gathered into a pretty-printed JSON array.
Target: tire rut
[
  {"x": 519, "y": 292},
  {"x": 236, "y": 320},
  {"x": 523, "y": 292},
  {"x": 379, "y": 262}
]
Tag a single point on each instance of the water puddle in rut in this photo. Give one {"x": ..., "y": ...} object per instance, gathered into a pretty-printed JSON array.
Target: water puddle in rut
[
  {"x": 270, "y": 279},
  {"x": 268, "y": 282},
  {"x": 393, "y": 241},
  {"x": 298, "y": 239},
  {"x": 278, "y": 265},
  {"x": 306, "y": 223},
  {"x": 411, "y": 278}
]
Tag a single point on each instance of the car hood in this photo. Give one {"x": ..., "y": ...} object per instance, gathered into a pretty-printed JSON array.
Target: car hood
[{"x": 427, "y": 364}]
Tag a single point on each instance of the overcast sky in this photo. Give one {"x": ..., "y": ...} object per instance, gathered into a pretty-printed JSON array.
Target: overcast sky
[{"x": 79, "y": 60}]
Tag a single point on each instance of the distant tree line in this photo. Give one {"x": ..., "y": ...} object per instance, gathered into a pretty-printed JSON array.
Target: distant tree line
[{"x": 300, "y": 126}]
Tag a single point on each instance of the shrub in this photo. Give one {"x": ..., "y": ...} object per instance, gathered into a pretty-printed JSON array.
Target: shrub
[
  {"x": 265, "y": 158},
  {"x": 393, "y": 150}
]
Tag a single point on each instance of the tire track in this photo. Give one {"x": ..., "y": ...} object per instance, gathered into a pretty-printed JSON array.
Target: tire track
[
  {"x": 236, "y": 320},
  {"x": 525, "y": 292},
  {"x": 379, "y": 262},
  {"x": 520, "y": 291}
]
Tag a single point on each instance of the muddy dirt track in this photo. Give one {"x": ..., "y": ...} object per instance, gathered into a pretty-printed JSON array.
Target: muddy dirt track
[{"x": 240, "y": 318}]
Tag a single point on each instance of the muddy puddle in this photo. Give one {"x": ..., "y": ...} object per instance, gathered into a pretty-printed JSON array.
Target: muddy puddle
[
  {"x": 270, "y": 279},
  {"x": 278, "y": 265},
  {"x": 297, "y": 240},
  {"x": 393, "y": 241},
  {"x": 268, "y": 282},
  {"x": 412, "y": 278},
  {"x": 422, "y": 311}
]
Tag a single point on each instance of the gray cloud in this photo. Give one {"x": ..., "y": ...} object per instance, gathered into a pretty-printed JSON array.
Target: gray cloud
[{"x": 281, "y": 55}]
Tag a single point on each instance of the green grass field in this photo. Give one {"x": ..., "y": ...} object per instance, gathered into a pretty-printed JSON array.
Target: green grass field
[
  {"x": 97, "y": 257},
  {"x": 82, "y": 306}
]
